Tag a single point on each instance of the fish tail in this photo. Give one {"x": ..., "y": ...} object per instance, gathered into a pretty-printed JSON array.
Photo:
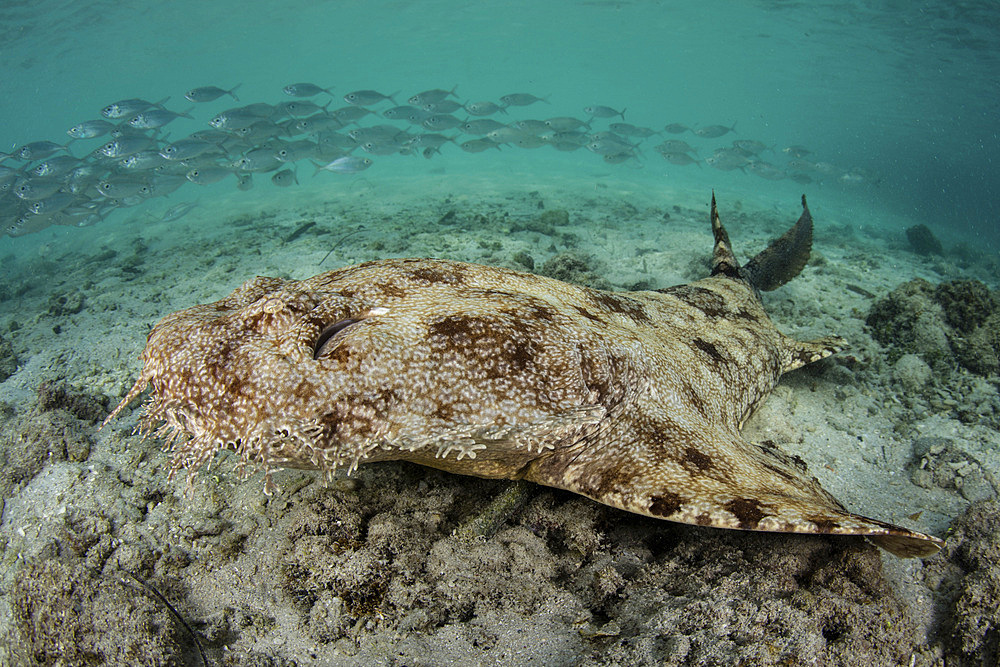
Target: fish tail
[
  {"x": 232, "y": 91},
  {"x": 318, "y": 166},
  {"x": 784, "y": 258},
  {"x": 622, "y": 114}
]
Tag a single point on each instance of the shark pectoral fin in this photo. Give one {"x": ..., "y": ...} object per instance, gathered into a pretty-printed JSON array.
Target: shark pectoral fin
[
  {"x": 910, "y": 545},
  {"x": 721, "y": 482},
  {"x": 798, "y": 353}
]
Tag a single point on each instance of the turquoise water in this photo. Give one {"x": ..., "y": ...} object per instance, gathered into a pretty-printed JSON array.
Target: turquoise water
[{"x": 899, "y": 98}]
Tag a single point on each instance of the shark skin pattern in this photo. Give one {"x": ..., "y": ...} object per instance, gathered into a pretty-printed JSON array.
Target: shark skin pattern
[{"x": 633, "y": 399}]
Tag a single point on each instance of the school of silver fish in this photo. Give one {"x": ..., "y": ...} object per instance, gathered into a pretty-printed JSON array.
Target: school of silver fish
[{"x": 129, "y": 155}]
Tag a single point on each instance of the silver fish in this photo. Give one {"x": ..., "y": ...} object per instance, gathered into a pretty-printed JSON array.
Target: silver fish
[
  {"x": 208, "y": 175},
  {"x": 713, "y": 131},
  {"x": 154, "y": 118},
  {"x": 120, "y": 187},
  {"x": 234, "y": 119},
  {"x": 143, "y": 160},
  {"x": 609, "y": 147},
  {"x": 533, "y": 126},
  {"x": 751, "y": 146},
  {"x": 527, "y": 140},
  {"x": 441, "y": 121},
  {"x": 507, "y": 135},
  {"x": 90, "y": 129},
  {"x": 317, "y": 123},
  {"x": 521, "y": 99},
  {"x": 796, "y": 151},
  {"x": 801, "y": 165},
  {"x": 598, "y": 111},
  {"x": 481, "y": 126},
  {"x": 680, "y": 159},
  {"x": 630, "y": 130},
  {"x": 574, "y": 137},
  {"x": 349, "y": 164},
  {"x": 210, "y": 93},
  {"x": 726, "y": 161},
  {"x": 54, "y": 202},
  {"x": 384, "y": 148},
  {"x": 244, "y": 182},
  {"x": 259, "y": 159},
  {"x": 431, "y": 96},
  {"x": 38, "y": 150},
  {"x": 619, "y": 158},
  {"x": 351, "y": 114},
  {"x": 55, "y": 166},
  {"x": 400, "y": 113},
  {"x": 675, "y": 146},
  {"x": 285, "y": 178},
  {"x": 129, "y": 107},
  {"x": 185, "y": 149},
  {"x": 676, "y": 128},
  {"x": 299, "y": 108},
  {"x": 304, "y": 90},
  {"x": 766, "y": 170},
  {"x": 364, "y": 98},
  {"x": 484, "y": 108},
  {"x": 565, "y": 123},
  {"x": 296, "y": 150},
  {"x": 127, "y": 145},
  {"x": 478, "y": 145},
  {"x": 376, "y": 133},
  {"x": 428, "y": 140},
  {"x": 444, "y": 106},
  {"x": 34, "y": 189}
]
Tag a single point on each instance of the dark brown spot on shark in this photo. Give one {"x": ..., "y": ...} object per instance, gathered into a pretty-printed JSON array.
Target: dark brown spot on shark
[
  {"x": 665, "y": 504},
  {"x": 621, "y": 305},
  {"x": 709, "y": 349},
  {"x": 697, "y": 460},
  {"x": 586, "y": 313},
  {"x": 823, "y": 524},
  {"x": 747, "y": 511},
  {"x": 433, "y": 275}
]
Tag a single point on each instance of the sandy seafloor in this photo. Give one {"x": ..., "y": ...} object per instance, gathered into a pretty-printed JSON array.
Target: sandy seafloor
[{"x": 366, "y": 570}]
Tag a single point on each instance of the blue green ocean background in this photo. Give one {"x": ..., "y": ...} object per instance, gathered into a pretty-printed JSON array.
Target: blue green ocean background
[{"x": 902, "y": 94}]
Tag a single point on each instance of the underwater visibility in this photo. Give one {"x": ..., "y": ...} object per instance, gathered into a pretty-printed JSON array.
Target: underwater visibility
[{"x": 629, "y": 332}]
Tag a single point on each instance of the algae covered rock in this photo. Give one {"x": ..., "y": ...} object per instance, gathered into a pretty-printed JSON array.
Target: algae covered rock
[
  {"x": 8, "y": 359},
  {"x": 966, "y": 574},
  {"x": 954, "y": 323},
  {"x": 923, "y": 241},
  {"x": 68, "y": 614}
]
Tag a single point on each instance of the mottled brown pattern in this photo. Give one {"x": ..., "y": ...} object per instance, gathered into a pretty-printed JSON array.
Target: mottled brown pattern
[
  {"x": 748, "y": 512},
  {"x": 635, "y": 400}
]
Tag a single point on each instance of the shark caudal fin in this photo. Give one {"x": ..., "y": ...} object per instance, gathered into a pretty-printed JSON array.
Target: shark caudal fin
[
  {"x": 785, "y": 257},
  {"x": 774, "y": 266}
]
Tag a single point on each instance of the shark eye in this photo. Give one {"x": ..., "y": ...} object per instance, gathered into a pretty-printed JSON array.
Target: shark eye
[{"x": 324, "y": 343}]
